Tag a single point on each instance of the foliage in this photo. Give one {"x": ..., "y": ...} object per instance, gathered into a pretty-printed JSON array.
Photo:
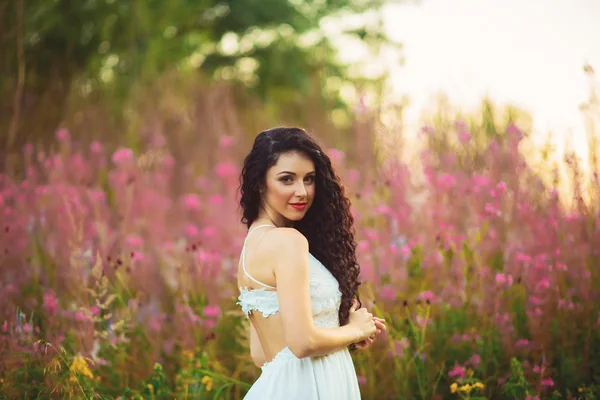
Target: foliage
[{"x": 278, "y": 49}]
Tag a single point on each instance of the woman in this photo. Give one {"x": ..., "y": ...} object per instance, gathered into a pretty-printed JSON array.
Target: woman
[{"x": 298, "y": 274}]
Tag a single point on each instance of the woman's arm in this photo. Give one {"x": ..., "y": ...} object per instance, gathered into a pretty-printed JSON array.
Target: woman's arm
[
  {"x": 303, "y": 338},
  {"x": 256, "y": 351}
]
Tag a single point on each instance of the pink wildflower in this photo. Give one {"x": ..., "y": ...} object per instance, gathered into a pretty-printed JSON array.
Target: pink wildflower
[
  {"x": 216, "y": 200},
  {"x": 388, "y": 292},
  {"x": 474, "y": 360},
  {"x": 361, "y": 380},
  {"x": 500, "y": 278},
  {"x": 226, "y": 170},
  {"x": 464, "y": 136},
  {"x": 95, "y": 310},
  {"x": 96, "y": 147},
  {"x": 426, "y": 296},
  {"x": 336, "y": 155},
  {"x": 406, "y": 252},
  {"x": 191, "y": 201},
  {"x": 192, "y": 230},
  {"x": 5, "y": 326},
  {"x": 363, "y": 245},
  {"x": 50, "y": 302},
  {"x": 544, "y": 284},
  {"x": 134, "y": 241},
  {"x": 212, "y": 311},
  {"x": 62, "y": 135},
  {"x": 26, "y": 328},
  {"x": 547, "y": 382},
  {"x": 122, "y": 155},
  {"x": 457, "y": 372},
  {"x": 446, "y": 181},
  {"x": 225, "y": 141}
]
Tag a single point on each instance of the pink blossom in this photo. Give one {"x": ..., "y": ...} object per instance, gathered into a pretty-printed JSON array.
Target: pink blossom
[
  {"x": 192, "y": 230},
  {"x": 226, "y": 170},
  {"x": 544, "y": 284},
  {"x": 138, "y": 256},
  {"x": 209, "y": 231},
  {"x": 191, "y": 201},
  {"x": 62, "y": 135},
  {"x": 500, "y": 278},
  {"x": 50, "y": 302},
  {"x": 501, "y": 187},
  {"x": 215, "y": 200},
  {"x": 388, "y": 292},
  {"x": 225, "y": 141},
  {"x": 426, "y": 296},
  {"x": 211, "y": 311},
  {"x": 96, "y": 147},
  {"x": 464, "y": 136},
  {"x": 336, "y": 156},
  {"x": 203, "y": 256},
  {"x": 5, "y": 326},
  {"x": 122, "y": 155},
  {"x": 79, "y": 317},
  {"x": 26, "y": 328},
  {"x": 406, "y": 252},
  {"x": 446, "y": 181},
  {"x": 363, "y": 246},
  {"x": 400, "y": 346},
  {"x": 457, "y": 372},
  {"x": 361, "y": 380},
  {"x": 474, "y": 360},
  {"x": 95, "y": 310},
  {"x": 547, "y": 382},
  {"x": 134, "y": 241}
]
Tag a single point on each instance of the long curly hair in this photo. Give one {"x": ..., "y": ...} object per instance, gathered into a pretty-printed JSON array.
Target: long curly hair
[{"x": 328, "y": 224}]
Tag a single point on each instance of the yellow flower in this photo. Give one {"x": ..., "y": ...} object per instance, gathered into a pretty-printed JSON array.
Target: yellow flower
[
  {"x": 188, "y": 354},
  {"x": 465, "y": 388},
  {"x": 207, "y": 380},
  {"x": 80, "y": 366},
  {"x": 453, "y": 387},
  {"x": 478, "y": 385},
  {"x": 150, "y": 388}
]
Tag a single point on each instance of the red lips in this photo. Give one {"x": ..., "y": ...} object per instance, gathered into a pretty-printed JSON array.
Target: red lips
[{"x": 298, "y": 206}]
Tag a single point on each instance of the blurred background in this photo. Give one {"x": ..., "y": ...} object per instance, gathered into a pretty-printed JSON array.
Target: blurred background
[{"x": 466, "y": 133}]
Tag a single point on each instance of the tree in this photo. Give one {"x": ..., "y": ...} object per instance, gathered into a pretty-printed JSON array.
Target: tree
[{"x": 275, "y": 48}]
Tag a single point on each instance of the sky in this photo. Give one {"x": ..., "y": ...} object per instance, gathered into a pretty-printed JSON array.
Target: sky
[{"x": 529, "y": 53}]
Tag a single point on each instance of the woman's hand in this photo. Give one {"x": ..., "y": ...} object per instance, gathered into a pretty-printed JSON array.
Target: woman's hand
[
  {"x": 380, "y": 325},
  {"x": 362, "y": 321}
]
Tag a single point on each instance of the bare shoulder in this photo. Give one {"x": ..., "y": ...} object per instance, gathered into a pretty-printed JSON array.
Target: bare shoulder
[{"x": 285, "y": 242}]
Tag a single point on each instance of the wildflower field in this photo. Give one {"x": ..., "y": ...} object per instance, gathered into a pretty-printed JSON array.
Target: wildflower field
[{"x": 117, "y": 275}]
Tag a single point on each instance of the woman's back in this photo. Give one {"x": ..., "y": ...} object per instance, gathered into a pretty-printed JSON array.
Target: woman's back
[{"x": 259, "y": 297}]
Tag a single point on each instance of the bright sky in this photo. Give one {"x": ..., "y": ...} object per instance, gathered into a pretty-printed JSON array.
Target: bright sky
[{"x": 525, "y": 52}]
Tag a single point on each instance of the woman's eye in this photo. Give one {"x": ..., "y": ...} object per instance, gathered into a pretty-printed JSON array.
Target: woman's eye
[
  {"x": 310, "y": 179},
  {"x": 286, "y": 179}
]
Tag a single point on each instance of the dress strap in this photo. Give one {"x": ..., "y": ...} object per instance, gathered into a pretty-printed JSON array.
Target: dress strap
[{"x": 244, "y": 256}]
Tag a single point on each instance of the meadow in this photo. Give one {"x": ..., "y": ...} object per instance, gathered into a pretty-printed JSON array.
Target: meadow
[{"x": 117, "y": 270}]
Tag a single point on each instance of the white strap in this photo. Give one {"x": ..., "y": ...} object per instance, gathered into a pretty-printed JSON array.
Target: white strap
[{"x": 244, "y": 254}]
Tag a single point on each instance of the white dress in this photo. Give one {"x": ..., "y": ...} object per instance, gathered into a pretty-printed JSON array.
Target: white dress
[{"x": 286, "y": 377}]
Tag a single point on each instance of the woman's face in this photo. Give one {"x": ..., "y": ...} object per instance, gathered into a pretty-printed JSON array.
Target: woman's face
[{"x": 290, "y": 188}]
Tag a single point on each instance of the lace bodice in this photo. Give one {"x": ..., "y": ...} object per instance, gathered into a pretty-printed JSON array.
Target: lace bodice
[{"x": 325, "y": 297}]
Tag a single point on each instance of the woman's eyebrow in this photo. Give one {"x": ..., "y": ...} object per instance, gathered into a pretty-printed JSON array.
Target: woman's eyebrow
[{"x": 293, "y": 173}]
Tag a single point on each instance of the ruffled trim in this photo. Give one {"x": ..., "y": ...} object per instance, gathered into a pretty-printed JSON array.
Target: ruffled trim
[
  {"x": 263, "y": 300},
  {"x": 284, "y": 355}
]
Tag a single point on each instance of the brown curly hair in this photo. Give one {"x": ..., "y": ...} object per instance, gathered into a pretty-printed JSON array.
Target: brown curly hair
[{"x": 328, "y": 224}]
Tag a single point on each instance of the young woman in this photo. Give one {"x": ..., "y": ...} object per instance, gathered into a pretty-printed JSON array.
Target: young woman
[{"x": 298, "y": 274}]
